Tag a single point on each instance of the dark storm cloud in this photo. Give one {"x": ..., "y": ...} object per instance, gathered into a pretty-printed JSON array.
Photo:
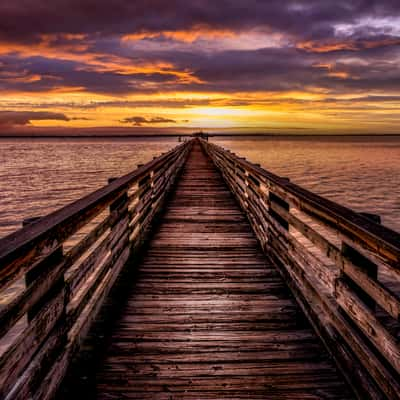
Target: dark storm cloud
[
  {"x": 91, "y": 32},
  {"x": 139, "y": 121},
  {"x": 53, "y": 74},
  {"x": 286, "y": 69},
  {"x": 101, "y": 17},
  {"x": 272, "y": 69},
  {"x": 11, "y": 118}
]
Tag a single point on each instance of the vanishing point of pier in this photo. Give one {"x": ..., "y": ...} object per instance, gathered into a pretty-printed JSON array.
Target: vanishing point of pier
[{"x": 201, "y": 276}]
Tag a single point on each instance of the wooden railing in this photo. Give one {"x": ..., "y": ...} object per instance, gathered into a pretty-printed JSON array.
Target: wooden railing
[
  {"x": 343, "y": 268},
  {"x": 55, "y": 272}
]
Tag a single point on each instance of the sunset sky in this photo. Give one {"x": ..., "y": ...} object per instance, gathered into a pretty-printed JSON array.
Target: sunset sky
[{"x": 282, "y": 66}]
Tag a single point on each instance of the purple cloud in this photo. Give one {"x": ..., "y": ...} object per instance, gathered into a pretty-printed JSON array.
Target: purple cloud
[
  {"x": 331, "y": 46},
  {"x": 139, "y": 121},
  {"x": 12, "y": 118}
]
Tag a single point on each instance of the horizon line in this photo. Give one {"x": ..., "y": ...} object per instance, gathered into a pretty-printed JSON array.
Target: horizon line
[{"x": 132, "y": 135}]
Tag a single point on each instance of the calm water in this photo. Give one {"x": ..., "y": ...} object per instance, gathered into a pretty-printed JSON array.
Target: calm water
[
  {"x": 362, "y": 173},
  {"x": 38, "y": 176}
]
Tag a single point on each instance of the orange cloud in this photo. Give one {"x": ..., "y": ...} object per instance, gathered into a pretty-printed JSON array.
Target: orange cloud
[
  {"x": 339, "y": 74},
  {"x": 332, "y": 72},
  {"x": 123, "y": 66},
  {"x": 316, "y": 47},
  {"x": 349, "y": 45},
  {"x": 187, "y": 36},
  {"x": 327, "y": 66},
  {"x": 21, "y": 77},
  {"x": 93, "y": 61}
]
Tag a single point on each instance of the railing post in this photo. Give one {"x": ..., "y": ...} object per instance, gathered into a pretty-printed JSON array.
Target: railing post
[
  {"x": 246, "y": 189},
  {"x": 39, "y": 271},
  {"x": 121, "y": 226},
  {"x": 273, "y": 198},
  {"x": 47, "y": 317},
  {"x": 365, "y": 264},
  {"x": 153, "y": 192}
]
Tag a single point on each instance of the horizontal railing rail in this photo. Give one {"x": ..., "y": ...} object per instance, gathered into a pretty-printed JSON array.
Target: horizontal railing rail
[
  {"x": 56, "y": 271},
  {"x": 343, "y": 267}
]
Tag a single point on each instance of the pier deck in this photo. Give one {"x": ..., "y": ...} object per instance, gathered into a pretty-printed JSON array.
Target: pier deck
[
  {"x": 209, "y": 317},
  {"x": 200, "y": 276}
]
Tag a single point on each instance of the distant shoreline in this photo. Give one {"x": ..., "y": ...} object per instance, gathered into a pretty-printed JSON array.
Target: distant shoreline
[{"x": 166, "y": 135}]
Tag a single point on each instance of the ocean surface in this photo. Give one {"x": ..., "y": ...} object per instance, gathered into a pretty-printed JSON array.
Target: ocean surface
[
  {"x": 362, "y": 173},
  {"x": 38, "y": 176}
]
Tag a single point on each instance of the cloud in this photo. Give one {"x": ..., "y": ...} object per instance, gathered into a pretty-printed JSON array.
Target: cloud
[
  {"x": 187, "y": 36},
  {"x": 135, "y": 47},
  {"x": 12, "y": 118},
  {"x": 348, "y": 45},
  {"x": 70, "y": 19},
  {"x": 226, "y": 71},
  {"x": 68, "y": 55},
  {"x": 139, "y": 121},
  {"x": 187, "y": 102}
]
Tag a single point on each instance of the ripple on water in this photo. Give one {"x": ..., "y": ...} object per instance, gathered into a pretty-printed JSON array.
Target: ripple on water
[
  {"x": 362, "y": 173},
  {"x": 39, "y": 176}
]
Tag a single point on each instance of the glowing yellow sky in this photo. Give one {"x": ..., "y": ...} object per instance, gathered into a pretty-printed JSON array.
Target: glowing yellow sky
[{"x": 300, "y": 112}]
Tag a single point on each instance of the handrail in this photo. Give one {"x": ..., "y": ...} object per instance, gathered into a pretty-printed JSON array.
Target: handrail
[
  {"x": 347, "y": 218},
  {"x": 18, "y": 241},
  {"x": 343, "y": 268},
  {"x": 56, "y": 272}
]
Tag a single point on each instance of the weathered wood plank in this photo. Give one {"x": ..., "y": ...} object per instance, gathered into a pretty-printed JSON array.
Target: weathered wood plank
[
  {"x": 17, "y": 368},
  {"x": 368, "y": 323},
  {"x": 383, "y": 296}
]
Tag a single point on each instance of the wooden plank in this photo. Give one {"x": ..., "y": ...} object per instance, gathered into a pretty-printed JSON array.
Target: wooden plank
[
  {"x": 88, "y": 262},
  {"x": 53, "y": 270},
  {"x": 383, "y": 296},
  {"x": 17, "y": 359},
  {"x": 368, "y": 323}
]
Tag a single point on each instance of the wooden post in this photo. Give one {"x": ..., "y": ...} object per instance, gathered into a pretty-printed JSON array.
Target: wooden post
[
  {"x": 368, "y": 267},
  {"x": 39, "y": 271},
  {"x": 50, "y": 306},
  {"x": 276, "y": 199},
  {"x": 121, "y": 226}
]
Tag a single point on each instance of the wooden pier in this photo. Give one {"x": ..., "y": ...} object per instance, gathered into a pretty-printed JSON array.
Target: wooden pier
[{"x": 200, "y": 276}]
